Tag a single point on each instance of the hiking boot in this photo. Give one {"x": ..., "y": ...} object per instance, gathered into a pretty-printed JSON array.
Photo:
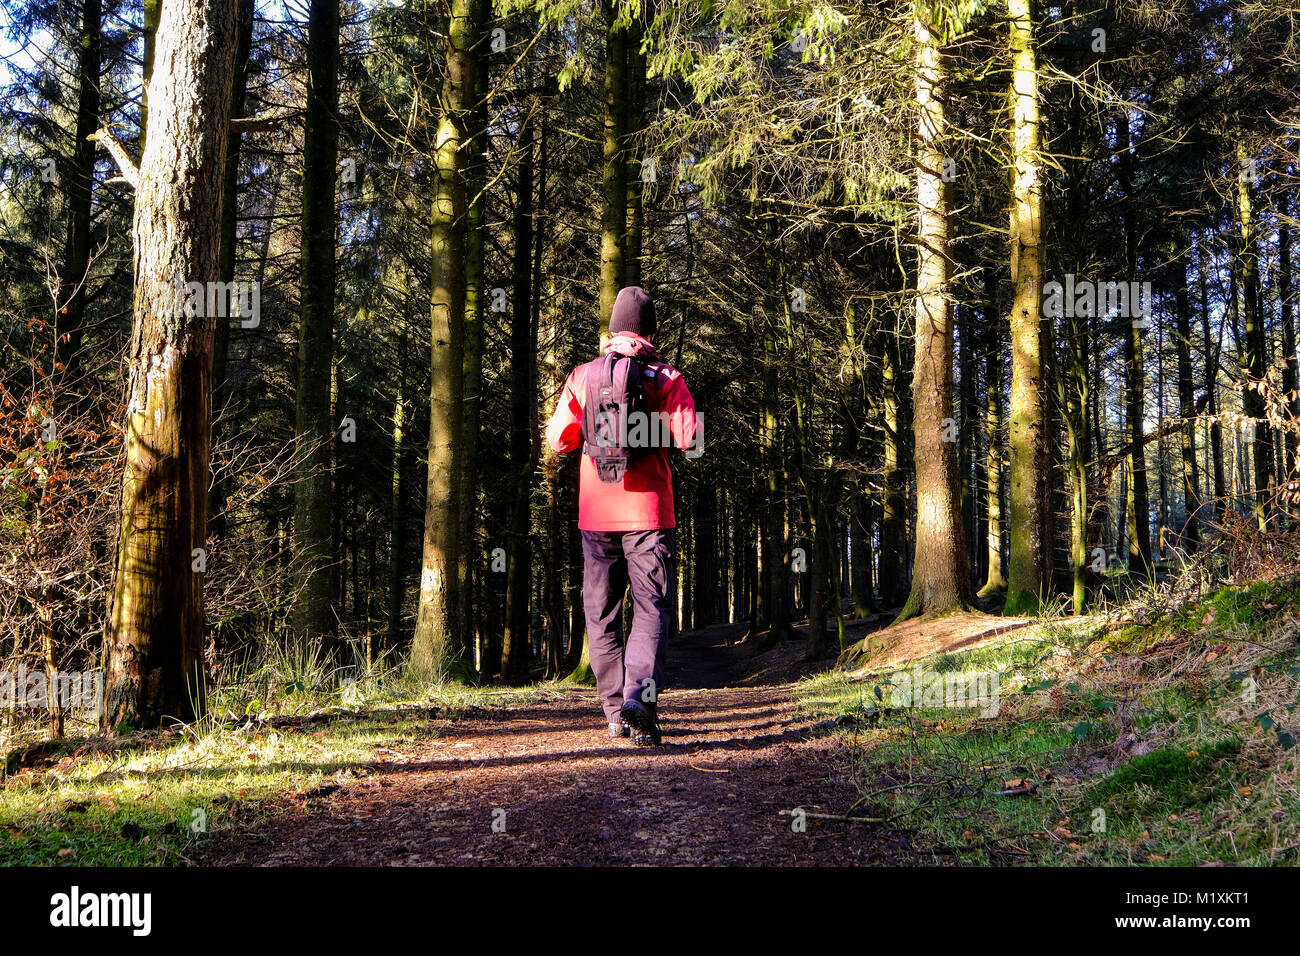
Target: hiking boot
[
  {"x": 618, "y": 728},
  {"x": 644, "y": 724},
  {"x": 646, "y": 738}
]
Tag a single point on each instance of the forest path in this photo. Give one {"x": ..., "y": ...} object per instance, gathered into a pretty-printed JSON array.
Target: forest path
[{"x": 732, "y": 759}]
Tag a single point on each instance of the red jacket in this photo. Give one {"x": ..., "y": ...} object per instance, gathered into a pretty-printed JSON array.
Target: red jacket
[{"x": 643, "y": 500}]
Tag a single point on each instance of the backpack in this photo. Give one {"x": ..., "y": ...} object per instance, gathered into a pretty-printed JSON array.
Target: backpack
[{"x": 615, "y": 394}]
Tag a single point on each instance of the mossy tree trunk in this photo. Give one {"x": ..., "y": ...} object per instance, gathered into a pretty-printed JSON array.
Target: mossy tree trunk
[{"x": 438, "y": 645}]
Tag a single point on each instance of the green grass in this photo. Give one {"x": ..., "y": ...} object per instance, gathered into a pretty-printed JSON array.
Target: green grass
[
  {"x": 152, "y": 799},
  {"x": 1168, "y": 743}
]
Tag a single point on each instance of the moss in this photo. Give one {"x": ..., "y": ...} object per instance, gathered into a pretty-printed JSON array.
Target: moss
[
  {"x": 947, "y": 662},
  {"x": 1175, "y": 774},
  {"x": 1021, "y": 603}
]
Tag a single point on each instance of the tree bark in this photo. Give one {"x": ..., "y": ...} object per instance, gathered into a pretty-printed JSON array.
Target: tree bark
[
  {"x": 1255, "y": 362},
  {"x": 940, "y": 576},
  {"x": 613, "y": 180},
  {"x": 1187, "y": 411},
  {"x": 1219, "y": 489},
  {"x": 635, "y": 103},
  {"x": 313, "y": 614},
  {"x": 1028, "y": 565},
  {"x": 891, "y": 576},
  {"x": 229, "y": 246},
  {"x": 396, "y": 509},
  {"x": 152, "y": 13},
  {"x": 154, "y": 638},
  {"x": 968, "y": 444},
  {"x": 437, "y": 644},
  {"x": 523, "y": 453},
  {"x": 475, "y": 289},
  {"x": 1137, "y": 507},
  {"x": 80, "y": 177},
  {"x": 1290, "y": 370},
  {"x": 994, "y": 580}
]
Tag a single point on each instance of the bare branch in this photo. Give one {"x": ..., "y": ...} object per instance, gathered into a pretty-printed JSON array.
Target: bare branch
[
  {"x": 251, "y": 124},
  {"x": 130, "y": 171}
]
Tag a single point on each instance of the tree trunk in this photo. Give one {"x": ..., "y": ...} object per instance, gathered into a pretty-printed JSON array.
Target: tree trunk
[
  {"x": 1290, "y": 371},
  {"x": 475, "y": 289},
  {"x": 80, "y": 176},
  {"x": 893, "y": 520},
  {"x": 1075, "y": 386},
  {"x": 1137, "y": 508},
  {"x": 396, "y": 509},
  {"x": 1212, "y": 403},
  {"x": 154, "y": 639},
  {"x": 968, "y": 444},
  {"x": 707, "y": 547},
  {"x": 993, "y": 581},
  {"x": 1190, "y": 533},
  {"x": 313, "y": 615},
  {"x": 1028, "y": 440},
  {"x": 229, "y": 248},
  {"x": 613, "y": 181},
  {"x": 940, "y": 576},
  {"x": 853, "y": 408},
  {"x": 1255, "y": 356},
  {"x": 152, "y": 13},
  {"x": 635, "y": 111},
  {"x": 523, "y": 348},
  {"x": 818, "y": 585},
  {"x": 437, "y": 644}
]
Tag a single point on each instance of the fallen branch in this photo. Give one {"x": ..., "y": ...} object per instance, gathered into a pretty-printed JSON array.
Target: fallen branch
[{"x": 832, "y": 816}]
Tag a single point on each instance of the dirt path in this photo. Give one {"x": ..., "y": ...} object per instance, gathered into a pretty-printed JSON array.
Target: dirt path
[{"x": 732, "y": 759}]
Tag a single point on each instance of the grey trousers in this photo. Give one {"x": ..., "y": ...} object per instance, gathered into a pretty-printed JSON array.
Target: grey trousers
[{"x": 615, "y": 561}]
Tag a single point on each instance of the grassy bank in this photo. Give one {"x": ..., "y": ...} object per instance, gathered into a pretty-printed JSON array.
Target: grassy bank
[{"x": 1164, "y": 740}]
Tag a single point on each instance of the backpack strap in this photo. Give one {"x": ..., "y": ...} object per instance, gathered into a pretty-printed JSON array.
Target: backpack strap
[{"x": 600, "y": 384}]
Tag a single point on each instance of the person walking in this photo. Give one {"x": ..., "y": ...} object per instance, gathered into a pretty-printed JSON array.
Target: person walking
[{"x": 626, "y": 410}]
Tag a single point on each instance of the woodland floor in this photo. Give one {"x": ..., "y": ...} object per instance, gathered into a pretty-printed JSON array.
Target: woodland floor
[{"x": 735, "y": 754}]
